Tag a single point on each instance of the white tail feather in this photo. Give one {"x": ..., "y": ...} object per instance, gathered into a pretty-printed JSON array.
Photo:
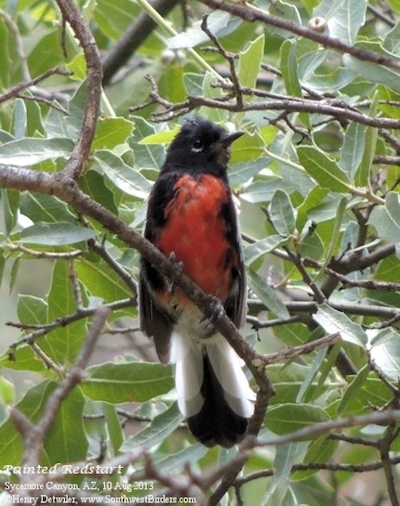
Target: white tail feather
[
  {"x": 188, "y": 361},
  {"x": 187, "y": 355},
  {"x": 228, "y": 369}
]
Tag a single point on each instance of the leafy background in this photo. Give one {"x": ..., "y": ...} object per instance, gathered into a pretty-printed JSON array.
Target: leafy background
[{"x": 317, "y": 177}]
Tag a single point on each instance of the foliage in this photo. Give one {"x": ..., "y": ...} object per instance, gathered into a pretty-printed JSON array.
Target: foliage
[{"x": 317, "y": 176}]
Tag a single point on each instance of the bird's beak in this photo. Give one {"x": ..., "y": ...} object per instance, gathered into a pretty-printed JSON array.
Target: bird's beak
[{"x": 230, "y": 137}]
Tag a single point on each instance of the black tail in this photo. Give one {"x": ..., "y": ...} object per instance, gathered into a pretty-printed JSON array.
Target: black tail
[{"x": 216, "y": 423}]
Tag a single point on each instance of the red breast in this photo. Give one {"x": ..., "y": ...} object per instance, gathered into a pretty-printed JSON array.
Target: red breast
[{"x": 196, "y": 232}]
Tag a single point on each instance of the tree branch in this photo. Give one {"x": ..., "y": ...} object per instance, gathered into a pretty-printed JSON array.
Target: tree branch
[
  {"x": 80, "y": 153},
  {"x": 34, "y": 435},
  {"x": 251, "y": 14}
]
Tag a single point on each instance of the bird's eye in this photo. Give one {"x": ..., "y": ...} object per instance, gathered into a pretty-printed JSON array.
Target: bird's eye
[{"x": 197, "y": 146}]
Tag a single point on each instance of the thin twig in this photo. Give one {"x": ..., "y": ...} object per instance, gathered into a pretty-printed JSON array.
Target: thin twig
[
  {"x": 19, "y": 88},
  {"x": 250, "y": 13},
  {"x": 34, "y": 435},
  {"x": 228, "y": 57}
]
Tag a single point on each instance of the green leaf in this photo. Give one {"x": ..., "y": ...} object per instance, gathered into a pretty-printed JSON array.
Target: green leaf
[
  {"x": 387, "y": 102},
  {"x": 113, "y": 18},
  {"x": 353, "y": 149},
  {"x": 31, "y": 405},
  {"x": 163, "y": 137},
  {"x": 286, "y": 456},
  {"x": 335, "y": 232},
  {"x": 22, "y": 359},
  {"x": 10, "y": 204},
  {"x": 172, "y": 80},
  {"x": 391, "y": 41},
  {"x": 241, "y": 172},
  {"x": 26, "y": 152},
  {"x": 6, "y": 60},
  {"x": 93, "y": 184},
  {"x": 250, "y": 62},
  {"x": 219, "y": 23},
  {"x": 128, "y": 382},
  {"x": 313, "y": 199},
  {"x": 260, "y": 248},
  {"x": 46, "y": 52},
  {"x": 363, "y": 175},
  {"x": 177, "y": 461},
  {"x": 267, "y": 295},
  {"x": 193, "y": 83},
  {"x": 247, "y": 148},
  {"x": 385, "y": 352},
  {"x": 126, "y": 178},
  {"x": 111, "y": 132},
  {"x": 32, "y": 310},
  {"x": 211, "y": 91},
  {"x": 101, "y": 280},
  {"x": 344, "y": 17},
  {"x": 67, "y": 441},
  {"x": 20, "y": 119},
  {"x": 35, "y": 126},
  {"x": 58, "y": 125},
  {"x": 288, "y": 381},
  {"x": 333, "y": 321},
  {"x": 394, "y": 4},
  {"x": 386, "y": 219},
  {"x": 353, "y": 389},
  {"x": 392, "y": 205},
  {"x": 292, "y": 334},
  {"x": 289, "y": 68},
  {"x": 373, "y": 72},
  {"x": 2, "y": 265},
  {"x": 56, "y": 234},
  {"x": 263, "y": 191},
  {"x": 286, "y": 11},
  {"x": 155, "y": 432},
  {"x": 78, "y": 66},
  {"x": 324, "y": 170},
  {"x": 372, "y": 393},
  {"x": 326, "y": 211},
  {"x": 314, "y": 369},
  {"x": 321, "y": 451},
  {"x": 311, "y": 246},
  {"x": 64, "y": 343},
  {"x": 290, "y": 417},
  {"x": 113, "y": 425},
  {"x": 47, "y": 208},
  {"x": 7, "y": 391},
  {"x": 282, "y": 214}
]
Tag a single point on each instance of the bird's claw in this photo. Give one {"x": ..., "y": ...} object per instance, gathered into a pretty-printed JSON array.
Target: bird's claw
[
  {"x": 179, "y": 265},
  {"x": 217, "y": 310}
]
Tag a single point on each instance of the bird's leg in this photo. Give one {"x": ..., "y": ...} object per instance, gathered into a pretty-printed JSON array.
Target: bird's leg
[
  {"x": 179, "y": 265},
  {"x": 217, "y": 310}
]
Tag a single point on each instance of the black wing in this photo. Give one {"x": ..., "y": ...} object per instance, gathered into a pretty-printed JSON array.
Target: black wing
[
  {"x": 154, "y": 321},
  {"x": 236, "y": 303}
]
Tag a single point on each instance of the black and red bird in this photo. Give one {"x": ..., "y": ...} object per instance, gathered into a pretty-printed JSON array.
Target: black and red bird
[{"x": 191, "y": 217}]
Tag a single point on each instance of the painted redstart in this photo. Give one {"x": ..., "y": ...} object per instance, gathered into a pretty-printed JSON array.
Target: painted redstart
[{"x": 191, "y": 217}]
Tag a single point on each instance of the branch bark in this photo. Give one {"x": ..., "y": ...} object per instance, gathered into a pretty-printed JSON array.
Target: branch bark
[
  {"x": 80, "y": 154},
  {"x": 251, "y": 14}
]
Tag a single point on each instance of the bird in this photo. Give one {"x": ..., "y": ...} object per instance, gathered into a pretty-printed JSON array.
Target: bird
[{"x": 191, "y": 218}]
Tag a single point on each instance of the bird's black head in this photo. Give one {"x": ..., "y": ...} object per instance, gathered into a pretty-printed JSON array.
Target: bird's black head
[{"x": 200, "y": 146}]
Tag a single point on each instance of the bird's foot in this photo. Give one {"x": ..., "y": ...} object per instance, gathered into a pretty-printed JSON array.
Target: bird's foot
[{"x": 179, "y": 265}]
